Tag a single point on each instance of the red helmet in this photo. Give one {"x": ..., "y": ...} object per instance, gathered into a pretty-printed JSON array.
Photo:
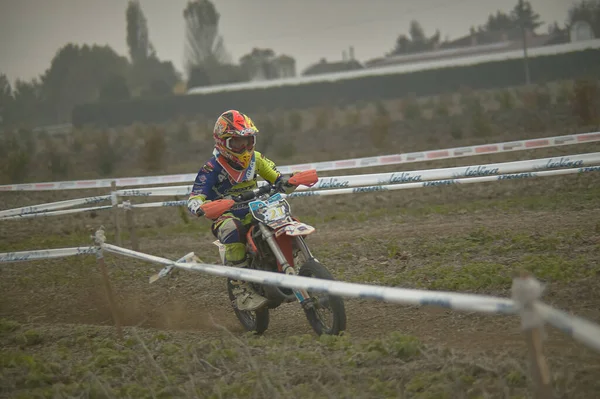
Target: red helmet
[{"x": 235, "y": 137}]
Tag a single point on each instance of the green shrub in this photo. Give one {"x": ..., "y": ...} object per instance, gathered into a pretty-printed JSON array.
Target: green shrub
[
  {"x": 585, "y": 101},
  {"x": 480, "y": 122},
  {"x": 353, "y": 117},
  {"x": 182, "y": 134},
  {"x": 411, "y": 109},
  {"x": 564, "y": 94},
  {"x": 322, "y": 118},
  {"x": 379, "y": 131},
  {"x": 56, "y": 160},
  {"x": 506, "y": 100},
  {"x": 295, "y": 119},
  {"x": 442, "y": 106}
]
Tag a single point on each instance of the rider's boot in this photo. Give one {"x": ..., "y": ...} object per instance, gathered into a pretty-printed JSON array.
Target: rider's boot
[{"x": 246, "y": 297}]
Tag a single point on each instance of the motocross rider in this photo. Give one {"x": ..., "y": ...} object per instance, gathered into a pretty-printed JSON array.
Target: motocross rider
[{"x": 232, "y": 169}]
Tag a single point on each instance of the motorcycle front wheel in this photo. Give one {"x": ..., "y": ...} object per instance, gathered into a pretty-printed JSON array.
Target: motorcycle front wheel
[
  {"x": 326, "y": 314},
  {"x": 254, "y": 321}
]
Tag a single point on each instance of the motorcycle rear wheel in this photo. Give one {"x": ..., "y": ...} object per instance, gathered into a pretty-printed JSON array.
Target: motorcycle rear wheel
[
  {"x": 253, "y": 321},
  {"x": 322, "y": 301}
]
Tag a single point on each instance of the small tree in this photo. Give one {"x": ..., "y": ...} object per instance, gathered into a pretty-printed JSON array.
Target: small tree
[
  {"x": 380, "y": 126},
  {"x": 16, "y": 160},
  {"x": 204, "y": 45},
  {"x": 55, "y": 160},
  {"x": 154, "y": 150},
  {"x": 105, "y": 154}
]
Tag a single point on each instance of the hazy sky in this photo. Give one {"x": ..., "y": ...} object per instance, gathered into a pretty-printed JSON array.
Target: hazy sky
[{"x": 31, "y": 31}]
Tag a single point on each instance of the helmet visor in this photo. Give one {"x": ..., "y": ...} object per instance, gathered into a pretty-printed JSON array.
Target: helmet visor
[{"x": 240, "y": 143}]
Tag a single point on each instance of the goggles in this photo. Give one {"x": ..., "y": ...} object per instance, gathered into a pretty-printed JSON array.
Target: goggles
[{"x": 240, "y": 143}]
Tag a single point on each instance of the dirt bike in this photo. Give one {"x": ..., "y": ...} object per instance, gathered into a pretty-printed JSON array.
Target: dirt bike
[{"x": 275, "y": 242}]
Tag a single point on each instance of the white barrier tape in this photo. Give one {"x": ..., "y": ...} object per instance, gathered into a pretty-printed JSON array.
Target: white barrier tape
[
  {"x": 155, "y": 191},
  {"x": 376, "y": 188},
  {"x": 160, "y": 204},
  {"x": 446, "y": 182},
  {"x": 53, "y": 206},
  {"x": 56, "y": 213},
  {"x": 466, "y": 302},
  {"x": 46, "y": 254},
  {"x": 457, "y": 152},
  {"x": 579, "y": 329},
  {"x": 353, "y": 163},
  {"x": 576, "y": 327},
  {"x": 496, "y": 169},
  {"x": 102, "y": 183}
]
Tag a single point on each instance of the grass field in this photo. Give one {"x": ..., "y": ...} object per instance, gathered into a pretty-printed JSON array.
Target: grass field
[{"x": 183, "y": 340}]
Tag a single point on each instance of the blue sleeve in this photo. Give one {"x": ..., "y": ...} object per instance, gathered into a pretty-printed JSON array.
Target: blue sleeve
[{"x": 205, "y": 180}]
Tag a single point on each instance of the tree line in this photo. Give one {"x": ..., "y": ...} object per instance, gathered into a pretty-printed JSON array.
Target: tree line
[{"x": 88, "y": 74}]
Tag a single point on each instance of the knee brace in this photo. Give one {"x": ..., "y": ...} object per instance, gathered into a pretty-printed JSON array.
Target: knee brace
[{"x": 230, "y": 231}]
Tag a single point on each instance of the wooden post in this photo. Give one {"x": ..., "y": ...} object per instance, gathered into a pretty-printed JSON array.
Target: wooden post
[
  {"x": 539, "y": 367},
  {"x": 115, "y": 205},
  {"x": 99, "y": 238},
  {"x": 526, "y": 290},
  {"x": 131, "y": 225}
]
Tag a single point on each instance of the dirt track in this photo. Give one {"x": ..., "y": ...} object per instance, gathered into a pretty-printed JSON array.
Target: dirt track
[
  {"x": 466, "y": 239},
  {"x": 189, "y": 301}
]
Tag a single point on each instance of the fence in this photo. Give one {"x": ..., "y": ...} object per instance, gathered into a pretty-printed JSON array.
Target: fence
[
  {"x": 355, "y": 163},
  {"x": 526, "y": 292},
  {"x": 574, "y": 164}
]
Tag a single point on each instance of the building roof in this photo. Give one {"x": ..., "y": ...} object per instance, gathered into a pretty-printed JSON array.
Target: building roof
[{"x": 328, "y": 67}]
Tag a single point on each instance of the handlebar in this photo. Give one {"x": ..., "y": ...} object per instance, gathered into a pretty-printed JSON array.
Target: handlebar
[
  {"x": 216, "y": 208},
  {"x": 252, "y": 194}
]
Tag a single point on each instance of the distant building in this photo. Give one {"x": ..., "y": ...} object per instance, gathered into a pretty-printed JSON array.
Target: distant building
[
  {"x": 263, "y": 64},
  {"x": 477, "y": 42},
  {"x": 328, "y": 67},
  {"x": 348, "y": 63},
  {"x": 581, "y": 30}
]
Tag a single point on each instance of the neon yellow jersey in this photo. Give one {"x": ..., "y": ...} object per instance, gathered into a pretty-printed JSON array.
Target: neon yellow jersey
[{"x": 215, "y": 179}]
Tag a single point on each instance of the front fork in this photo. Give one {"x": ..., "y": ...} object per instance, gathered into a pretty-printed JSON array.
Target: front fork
[{"x": 268, "y": 235}]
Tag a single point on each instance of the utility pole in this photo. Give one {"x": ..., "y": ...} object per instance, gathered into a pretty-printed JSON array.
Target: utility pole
[{"x": 524, "y": 37}]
